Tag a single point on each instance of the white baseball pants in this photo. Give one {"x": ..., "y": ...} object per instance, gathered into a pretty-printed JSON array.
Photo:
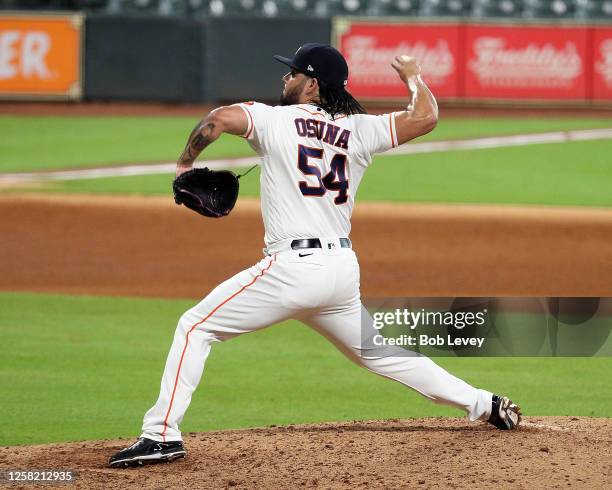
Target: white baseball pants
[{"x": 319, "y": 287}]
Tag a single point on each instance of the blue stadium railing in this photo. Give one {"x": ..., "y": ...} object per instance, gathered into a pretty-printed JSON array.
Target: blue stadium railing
[{"x": 472, "y": 9}]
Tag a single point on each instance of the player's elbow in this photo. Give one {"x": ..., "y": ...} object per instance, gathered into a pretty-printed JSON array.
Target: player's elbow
[
  {"x": 424, "y": 124},
  {"x": 428, "y": 123}
]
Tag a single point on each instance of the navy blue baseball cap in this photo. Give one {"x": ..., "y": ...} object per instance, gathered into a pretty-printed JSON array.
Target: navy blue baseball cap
[{"x": 319, "y": 61}]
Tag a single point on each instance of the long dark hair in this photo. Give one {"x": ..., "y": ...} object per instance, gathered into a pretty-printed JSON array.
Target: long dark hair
[{"x": 336, "y": 100}]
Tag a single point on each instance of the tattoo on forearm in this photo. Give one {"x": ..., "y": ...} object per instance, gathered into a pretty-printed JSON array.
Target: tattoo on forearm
[{"x": 200, "y": 138}]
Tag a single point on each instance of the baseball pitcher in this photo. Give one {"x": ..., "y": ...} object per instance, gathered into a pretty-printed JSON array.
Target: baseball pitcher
[{"x": 314, "y": 149}]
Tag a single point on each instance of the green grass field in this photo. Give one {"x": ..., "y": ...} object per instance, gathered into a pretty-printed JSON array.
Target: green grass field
[
  {"x": 576, "y": 173},
  {"x": 42, "y": 143},
  {"x": 76, "y": 368}
]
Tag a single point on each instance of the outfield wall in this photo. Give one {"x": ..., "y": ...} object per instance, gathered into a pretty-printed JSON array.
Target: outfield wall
[
  {"x": 162, "y": 62},
  {"x": 485, "y": 62},
  {"x": 238, "y": 62},
  {"x": 179, "y": 60},
  {"x": 172, "y": 59}
]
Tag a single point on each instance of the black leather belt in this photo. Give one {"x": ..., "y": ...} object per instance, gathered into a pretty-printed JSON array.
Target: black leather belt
[{"x": 316, "y": 243}]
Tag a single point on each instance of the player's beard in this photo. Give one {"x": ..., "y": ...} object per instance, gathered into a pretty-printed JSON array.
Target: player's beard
[{"x": 292, "y": 96}]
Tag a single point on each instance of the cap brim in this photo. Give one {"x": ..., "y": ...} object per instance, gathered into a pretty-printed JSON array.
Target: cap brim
[{"x": 284, "y": 61}]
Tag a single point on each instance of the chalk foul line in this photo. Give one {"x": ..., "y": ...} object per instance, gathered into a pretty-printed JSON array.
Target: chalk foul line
[
  {"x": 409, "y": 149},
  {"x": 503, "y": 141}
]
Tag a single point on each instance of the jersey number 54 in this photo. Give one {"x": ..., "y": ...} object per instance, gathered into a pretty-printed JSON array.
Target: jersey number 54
[{"x": 335, "y": 180}]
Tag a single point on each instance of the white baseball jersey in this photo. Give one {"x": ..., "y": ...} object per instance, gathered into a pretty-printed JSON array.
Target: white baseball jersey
[
  {"x": 312, "y": 165},
  {"x": 311, "y": 168}
]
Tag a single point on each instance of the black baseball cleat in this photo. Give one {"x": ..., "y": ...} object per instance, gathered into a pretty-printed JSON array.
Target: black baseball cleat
[
  {"x": 147, "y": 451},
  {"x": 505, "y": 415}
]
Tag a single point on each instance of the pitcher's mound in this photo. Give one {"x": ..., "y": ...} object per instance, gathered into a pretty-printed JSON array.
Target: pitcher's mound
[{"x": 551, "y": 452}]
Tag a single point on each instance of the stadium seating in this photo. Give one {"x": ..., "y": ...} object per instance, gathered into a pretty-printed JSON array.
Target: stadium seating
[
  {"x": 446, "y": 8},
  {"x": 588, "y": 10},
  {"x": 146, "y": 7},
  {"x": 288, "y": 8},
  {"x": 598, "y": 10},
  {"x": 497, "y": 8},
  {"x": 343, "y": 7},
  {"x": 40, "y": 4},
  {"x": 264, "y": 8},
  {"x": 394, "y": 7},
  {"x": 549, "y": 9}
]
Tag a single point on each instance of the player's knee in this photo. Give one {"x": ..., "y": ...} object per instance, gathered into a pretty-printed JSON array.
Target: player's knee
[
  {"x": 187, "y": 321},
  {"x": 192, "y": 321},
  {"x": 378, "y": 365},
  {"x": 362, "y": 357},
  {"x": 364, "y": 362},
  {"x": 368, "y": 364}
]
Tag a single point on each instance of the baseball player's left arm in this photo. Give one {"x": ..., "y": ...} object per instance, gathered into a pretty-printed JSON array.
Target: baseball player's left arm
[
  {"x": 230, "y": 119},
  {"x": 421, "y": 115}
]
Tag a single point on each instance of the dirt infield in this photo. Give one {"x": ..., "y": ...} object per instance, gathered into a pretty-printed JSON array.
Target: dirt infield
[
  {"x": 150, "y": 247},
  {"x": 548, "y": 452}
]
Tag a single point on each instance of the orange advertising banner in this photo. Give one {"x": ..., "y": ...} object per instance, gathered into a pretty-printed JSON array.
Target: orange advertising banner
[{"x": 40, "y": 56}]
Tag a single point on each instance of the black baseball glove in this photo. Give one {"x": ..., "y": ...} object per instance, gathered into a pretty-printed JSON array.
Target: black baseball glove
[{"x": 211, "y": 193}]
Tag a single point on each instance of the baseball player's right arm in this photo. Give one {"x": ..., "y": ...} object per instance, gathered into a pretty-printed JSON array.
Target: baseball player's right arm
[
  {"x": 229, "y": 119},
  {"x": 421, "y": 115}
]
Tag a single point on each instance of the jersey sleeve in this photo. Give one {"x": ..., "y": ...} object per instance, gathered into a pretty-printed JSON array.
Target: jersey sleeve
[
  {"x": 376, "y": 134},
  {"x": 258, "y": 120}
]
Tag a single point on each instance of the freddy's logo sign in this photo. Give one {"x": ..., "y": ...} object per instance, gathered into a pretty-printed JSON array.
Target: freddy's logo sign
[
  {"x": 534, "y": 65},
  {"x": 603, "y": 66},
  {"x": 369, "y": 61}
]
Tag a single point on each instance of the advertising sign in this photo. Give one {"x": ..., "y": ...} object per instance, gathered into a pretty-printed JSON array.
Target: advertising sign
[
  {"x": 602, "y": 63},
  {"x": 40, "y": 56},
  {"x": 369, "y": 48},
  {"x": 534, "y": 62}
]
